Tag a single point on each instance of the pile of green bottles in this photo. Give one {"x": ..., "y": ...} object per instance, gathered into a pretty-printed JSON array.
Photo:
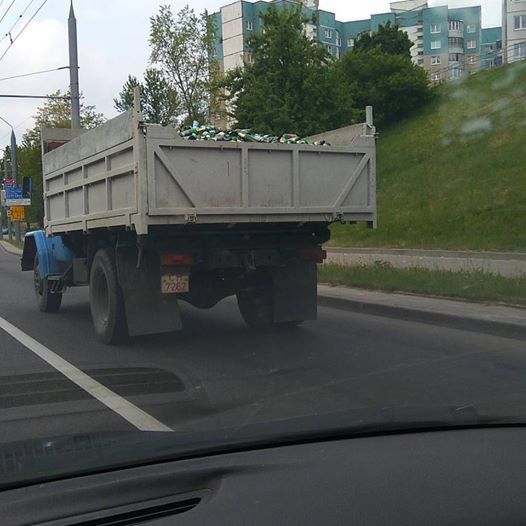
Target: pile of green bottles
[{"x": 213, "y": 133}]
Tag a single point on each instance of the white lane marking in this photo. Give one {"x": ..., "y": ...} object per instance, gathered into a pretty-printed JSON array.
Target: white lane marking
[{"x": 130, "y": 412}]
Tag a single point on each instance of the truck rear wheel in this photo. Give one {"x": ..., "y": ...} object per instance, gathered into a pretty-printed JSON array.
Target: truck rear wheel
[
  {"x": 256, "y": 304},
  {"x": 106, "y": 303},
  {"x": 46, "y": 301},
  {"x": 255, "y": 307}
]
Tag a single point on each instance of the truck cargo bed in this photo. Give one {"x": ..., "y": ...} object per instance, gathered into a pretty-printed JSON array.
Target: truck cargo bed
[{"x": 127, "y": 173}]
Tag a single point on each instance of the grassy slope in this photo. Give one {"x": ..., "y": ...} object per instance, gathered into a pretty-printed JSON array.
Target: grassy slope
[{"x": 454, "y": 176}]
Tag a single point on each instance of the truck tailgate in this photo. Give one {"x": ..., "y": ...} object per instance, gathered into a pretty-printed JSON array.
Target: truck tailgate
[{"x": 210, "y": 182}]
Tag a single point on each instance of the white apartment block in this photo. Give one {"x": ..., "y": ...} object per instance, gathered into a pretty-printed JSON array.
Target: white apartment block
[{"x": 514, "y": 30}]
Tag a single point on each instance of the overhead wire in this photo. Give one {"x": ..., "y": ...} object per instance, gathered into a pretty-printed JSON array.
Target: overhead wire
[
  {"x": 7, "y": 11},
  {"x": 20, "y": 16},
  {"x": 477, "y": 61},
  {"x": 23, "y": 29},
  {"x": 34, "y": 73}
]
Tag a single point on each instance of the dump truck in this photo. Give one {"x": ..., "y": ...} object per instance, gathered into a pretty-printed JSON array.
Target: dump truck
[{"x": 148, "y": 220}]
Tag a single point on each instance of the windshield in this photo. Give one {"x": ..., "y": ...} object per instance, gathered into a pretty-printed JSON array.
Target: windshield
[{"x": 229, "y": 225}]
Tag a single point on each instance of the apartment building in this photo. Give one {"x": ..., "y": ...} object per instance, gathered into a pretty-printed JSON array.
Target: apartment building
[
  {"x": 492, "y": 52},
  {"x": 514, "y": 30},
  {"x": 448, "y": 43}
]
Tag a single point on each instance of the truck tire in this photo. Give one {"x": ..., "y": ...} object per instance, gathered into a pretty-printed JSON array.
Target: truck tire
[
  {"x": 46, "y": 301},
  {"x": 106, "y": 303}
]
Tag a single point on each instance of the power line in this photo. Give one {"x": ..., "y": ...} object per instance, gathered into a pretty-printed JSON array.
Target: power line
[
  {"x": 7, "y": 11},
  {"x": 20, "y": 16},
  {"x": 34, "y": 73},
  {"x": 23, "y": 29},
  {"x": 5, "y": 137},
  {"x": 49, "y": 97},
  {"x": 478, "y": 61}
]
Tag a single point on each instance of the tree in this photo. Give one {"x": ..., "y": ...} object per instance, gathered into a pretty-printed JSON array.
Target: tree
[
  {"x": 288, "y": 85},
  {"x": 389, "y": 39},
  {"x": 182, "y": 48},
  {"x": 55, "y": 113},
  {"x": 159, "y": 101},
  {"x": 392, "y": 84}
]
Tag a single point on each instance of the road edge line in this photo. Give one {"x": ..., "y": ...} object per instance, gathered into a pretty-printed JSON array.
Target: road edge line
[{"x": 116, "y": 403}]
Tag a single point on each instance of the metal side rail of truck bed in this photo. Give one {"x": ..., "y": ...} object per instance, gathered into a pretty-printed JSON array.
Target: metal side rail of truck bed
[{"x": 126, "y": 173}]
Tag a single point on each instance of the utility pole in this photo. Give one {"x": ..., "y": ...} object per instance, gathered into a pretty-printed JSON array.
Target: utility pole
[
  {"x": 74, "y": 69},
  {"x": 14, "y": 170},
  {"x": 1, "y": 218}
]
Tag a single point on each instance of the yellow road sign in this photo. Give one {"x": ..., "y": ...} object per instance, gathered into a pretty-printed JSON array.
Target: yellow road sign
[{"x": 18, "y": 213}]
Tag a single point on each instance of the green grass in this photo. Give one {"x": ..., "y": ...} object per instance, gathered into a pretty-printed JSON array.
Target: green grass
[
  {"x": 475, "y": 286},
  {"x": 454, "y": 176},
  {"x": 17, "y": 244}
]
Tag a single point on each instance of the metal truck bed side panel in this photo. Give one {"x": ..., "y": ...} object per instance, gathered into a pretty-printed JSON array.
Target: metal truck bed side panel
[
  {"x": 125, "y": 173},
  {"x": 92, "y": 178}
]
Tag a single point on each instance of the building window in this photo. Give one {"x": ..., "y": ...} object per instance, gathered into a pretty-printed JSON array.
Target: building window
[
  {"x": 250, "y": 58},
  {"x": 214, "y": 52},
  {"x": 350, "y": 42},
  {"x": 328, "y": 34},
  {"x": 456, "y": 41},
  {"x": 455, "y": 25},
  {"x": 436, "y": 44},
  {"x": 435, "y": 28},
  {"x": 250, "y": 25},
  {"x": 520, "y": 22},
  {"x": 435, "y": 77},
  {"x": 338, "y": 39},
  {"x": 329, "y": 48},
  {"x": 436, "y": 60},
  {"x": 471, "y": 44},
  {"x": 471, "y": 28},
  {"x": 472, "y": 59},
  {"x": 455, "y": 73},
  {"x": 519, "y": 50},
  {"x": 338, "y": 52},
  {"x": 454, "y": 57}
]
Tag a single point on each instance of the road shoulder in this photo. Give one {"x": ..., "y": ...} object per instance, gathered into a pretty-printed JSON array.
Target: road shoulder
[
  {"x": 10, "y": 248},
  {"x": 505, "y": 320}
]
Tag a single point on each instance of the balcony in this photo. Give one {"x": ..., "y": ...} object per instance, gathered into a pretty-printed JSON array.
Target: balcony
[
  {"x": 456, "y": 45},
  {"x": 456, "y": 28}
]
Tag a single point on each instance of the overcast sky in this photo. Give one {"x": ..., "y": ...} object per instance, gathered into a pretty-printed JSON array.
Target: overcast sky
[{"x": 113, "y": 42}]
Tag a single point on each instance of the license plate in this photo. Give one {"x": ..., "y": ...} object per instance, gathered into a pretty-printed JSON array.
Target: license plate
[{"x": 175, "y": 283}]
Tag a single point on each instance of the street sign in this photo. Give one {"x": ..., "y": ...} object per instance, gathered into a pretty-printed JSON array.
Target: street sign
[
  {"x": 17, "y": 202},
  {"x": 14, "y": 196},
  {"x": 18, "y": 213}
]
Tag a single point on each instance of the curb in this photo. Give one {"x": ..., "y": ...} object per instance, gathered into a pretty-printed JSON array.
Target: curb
[
  {"x": 462, "y": 322},
  {"x": 435, "y": 253},
  {"x": 10, "y": 249}
]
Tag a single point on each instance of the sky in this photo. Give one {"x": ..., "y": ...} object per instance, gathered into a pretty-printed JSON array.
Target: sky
[{"x": 113, "y": 42}]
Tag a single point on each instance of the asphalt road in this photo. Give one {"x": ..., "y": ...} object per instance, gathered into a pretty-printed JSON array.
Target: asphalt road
[{"x": 218, "y": 373}]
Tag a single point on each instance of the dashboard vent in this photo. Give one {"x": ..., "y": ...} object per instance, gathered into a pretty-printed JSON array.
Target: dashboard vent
[{"x": 140, "y": 516}]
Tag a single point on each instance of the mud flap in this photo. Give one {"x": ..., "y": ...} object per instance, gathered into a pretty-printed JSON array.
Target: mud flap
[
  {"x": 147, "y": 310},
  {"x": 295, "y": 292}
]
